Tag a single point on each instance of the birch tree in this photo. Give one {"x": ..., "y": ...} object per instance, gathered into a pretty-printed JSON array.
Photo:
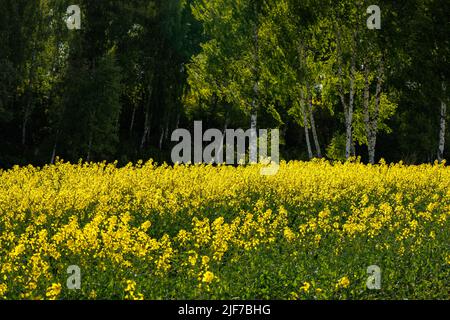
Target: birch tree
[
  {"x": 373, "y": 68},
  {"x": 429, "y": 51},
  {"x": 232, "y": 29},
  {"x": 297, "y": 33},
  {"x": 346, "y": 37}
]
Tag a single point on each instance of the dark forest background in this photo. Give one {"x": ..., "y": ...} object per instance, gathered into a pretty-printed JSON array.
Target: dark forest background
[{"x": 139, "y": 69}]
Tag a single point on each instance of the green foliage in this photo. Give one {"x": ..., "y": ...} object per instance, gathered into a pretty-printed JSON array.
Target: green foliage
[
  {"x": 92, "y": 109},
  {"x": 386, "y": 112},
  {"x": 336, "y": 148},
  {"x": 139, "y": 69}
]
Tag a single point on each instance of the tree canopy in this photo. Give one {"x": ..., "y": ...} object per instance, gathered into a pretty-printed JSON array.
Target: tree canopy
[{"x": 137, "y": 70}]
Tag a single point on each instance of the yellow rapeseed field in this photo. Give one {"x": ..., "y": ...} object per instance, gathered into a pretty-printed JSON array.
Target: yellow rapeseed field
[{"x": 201, "y": 232}]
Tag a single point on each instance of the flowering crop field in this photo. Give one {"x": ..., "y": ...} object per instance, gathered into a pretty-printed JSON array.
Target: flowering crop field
[{"x": 203, "y": 232}]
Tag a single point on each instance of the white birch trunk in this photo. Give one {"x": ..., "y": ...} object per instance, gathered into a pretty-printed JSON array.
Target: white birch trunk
[
  {"x": 349, "y": 112},
  {"x": 372, "y": 139},
  {"x": 371, "y": 119},
  {"x": 348, "y": 107},
  {"x": 253, "y": 150},
  {"x": 313, "y": 125},
  {"x": 305, "y": 125}
]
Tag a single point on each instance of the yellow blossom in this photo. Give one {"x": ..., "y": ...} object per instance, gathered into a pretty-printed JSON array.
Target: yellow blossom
[
  {"x": 53, "y": 291},
  {"x": 208, "y": 277},
  {"x": 344, "y": 282}
]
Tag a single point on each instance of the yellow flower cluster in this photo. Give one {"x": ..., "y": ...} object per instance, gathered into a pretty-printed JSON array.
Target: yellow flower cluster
[
  {"x": 130, "y": 290},
  {"x": 224, "y": 232},
  {"x": 53, "y": 291},
  {"x": 343, "y": 283}
]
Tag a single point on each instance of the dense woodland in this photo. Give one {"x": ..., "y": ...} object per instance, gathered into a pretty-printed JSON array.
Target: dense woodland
[{"x": 139, "y": 69}]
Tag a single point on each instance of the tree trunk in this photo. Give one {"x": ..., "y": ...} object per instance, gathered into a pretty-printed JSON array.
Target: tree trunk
[
  {"x": 166, "y": 133},
  {"x": 305, "y": 125},
  {"x": 28, "y": 106},
  {"x": 52, "y": 161},
  {"x": 348, "y": 107},
  {"x": 146, "y": 132},
  {"x": 313, "y": 124},
  {"x": 161, "y": 138},
  {"x": 55, "y": 146},
  {"x": 88, "y": 158},
  {"x": 372, "y": 139},
  {"x": 349, "y": 113},
  {"x": 366, "y": 105},
  {"x": 133, "y": 117},
  {"x": 225, "y": 127},
  {"x": 253, "y": 150},
  {"x": 442, "y": 127},
  {"x": 148, "y": 119},
  {"x": 371, "y": 120}
]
